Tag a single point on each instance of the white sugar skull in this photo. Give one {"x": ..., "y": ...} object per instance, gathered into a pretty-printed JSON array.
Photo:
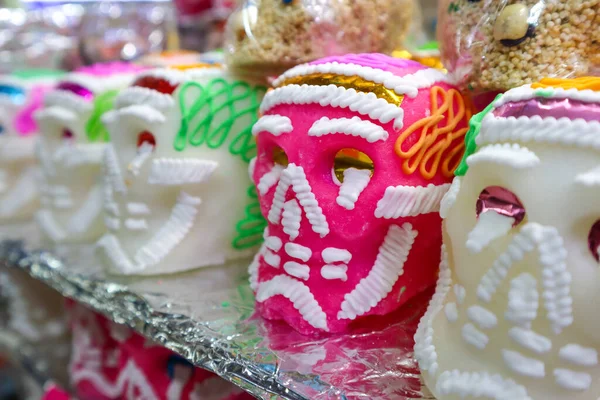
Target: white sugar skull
[
  {"x": 515, "y": 314},
  {"x": 354, "y": 156},
  {"x": 70, "y": 152},
  {"x": 177, "y": 187},
  {"x": 20, "y": 96}
]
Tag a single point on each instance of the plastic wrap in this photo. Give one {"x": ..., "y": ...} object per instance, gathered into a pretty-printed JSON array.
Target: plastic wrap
[
  {"x": 207, "y": 317},
  {"x": 266, "y": 37},
  {"x": 499, "y": 45}
]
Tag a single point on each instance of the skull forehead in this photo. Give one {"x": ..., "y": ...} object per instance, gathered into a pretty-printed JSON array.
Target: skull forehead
[{"x": 398, "y": 66}]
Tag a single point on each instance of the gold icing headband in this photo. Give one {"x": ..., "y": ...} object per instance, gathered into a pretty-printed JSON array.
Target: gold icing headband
[
  {"x": 185, "y": 67},
  {"x": 349, "y": 82},
  {"x": 583, "y": 83}
]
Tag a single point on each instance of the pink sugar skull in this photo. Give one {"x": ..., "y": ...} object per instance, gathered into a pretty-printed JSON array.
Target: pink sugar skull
[{"x": 354, "y": 156}]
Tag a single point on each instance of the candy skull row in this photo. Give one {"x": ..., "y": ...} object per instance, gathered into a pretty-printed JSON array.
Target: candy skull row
[
  {"x": 20, "y": 96},
  {"x": 354, "y": 156},
  {"x": 175, "y": 173},
  {"x": 514, "y": 315},
  {"x": 70, "y": 151}
]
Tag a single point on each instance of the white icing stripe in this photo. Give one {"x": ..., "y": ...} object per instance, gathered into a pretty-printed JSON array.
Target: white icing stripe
[
  {"x": 113, "y": 177},
  {"x": 292, "y": 215},
  {"x": 388, "y": 267},
  {"x": 338, "y": 97},
  {"x": 536, "y": 129},
  {"x": 275, "y": 124},
  {"x": 349, "y": 126},
  {"x": 579, "y": 355},
  {"x": 523, "y": 300},
  {"x": 572, "y": 380},
  {"x": 133, "y": 224},
  {"x": 253, "y": 267},
  {"x": 450, "y": 197},
  {"x": 68, "y": 101},
  {"x": 56, "y": 114},
  {"x": 408, "y": 84},
  {"x": 506, "y": 154},
  {"x": 522, "y": 365},
  {"x": 273, "y": 243},
  {"x": 490, "y": 226},
  {"x": 252, "y": 168},
  {"x": 300, "y": 296},
  {"x": 483, "y": 317},
  {"x": 527, "y": 93},
  {"x": 332, "y": 255},
  {"x": 300, "y": 252},
  {"x": 556, "y": 276},
  {"x": 49, "y": 226},
  {"x": 474, "y": 336},
  {"x": 268, "y": 180},
  {"x": 355, "y": 181},
  {"x": 294, "y": 176},
  {"x": 335, "y": 272},
  {"x": 530, "y": 340},
  {"x": 138, "y": 209},
  {"x": 410, "y": 201},
  {"x": 425, "y": 351},
  {"x": 479, "y": 385},
  {"x": 161, "y": 244},
  {"x": 451, "y": 312},
  {"x": 139, "y": 95},
  {"x": 144, "y": 152},
  {"x": 272, "y": 259},
  {"x": 177, "y": 171},
  {"x": 297, "y": 270},
  {"x": 589, "y": 178}
]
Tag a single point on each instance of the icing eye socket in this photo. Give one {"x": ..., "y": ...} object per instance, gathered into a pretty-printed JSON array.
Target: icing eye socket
[
  {"x": 502, "y": 201},
  {"x": 286, "y": 2},
  {"x": 279, "y": 157},
  {"x": 594, "y": 240},
  {"x": 146, "y": 137},
  {"x": 351, "y": 158},
  {"x": 159, "y": 84},
  {"x": 67, "y": 134}
]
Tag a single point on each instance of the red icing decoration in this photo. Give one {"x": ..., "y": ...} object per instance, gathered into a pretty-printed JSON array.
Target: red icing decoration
[
  {"x": 159, "y": 84},
  {"x": 501, "y": 200},
  {"x": 594, "y": 239},
  {"x": 146, "y": 137}
]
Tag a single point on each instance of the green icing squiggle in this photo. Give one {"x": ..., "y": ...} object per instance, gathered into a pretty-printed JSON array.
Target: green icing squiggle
[
  {"x": 95, "y": 129},
  {"x": 471, "y": 136},
  {"x": 214, "y": 119}
]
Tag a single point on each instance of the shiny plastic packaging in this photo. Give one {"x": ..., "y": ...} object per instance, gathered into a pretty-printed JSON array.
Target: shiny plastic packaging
[
  {"x": 501, "y": 44},
  {"x": 266, "y": 37}
]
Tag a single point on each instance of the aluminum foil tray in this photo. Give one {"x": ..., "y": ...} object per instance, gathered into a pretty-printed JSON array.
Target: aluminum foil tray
[{"x": 207, "y": 316}]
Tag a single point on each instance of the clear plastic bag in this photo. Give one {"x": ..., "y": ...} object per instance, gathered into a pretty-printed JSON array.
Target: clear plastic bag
[
  {"x": 267, "y": 37},
  {"x": 496, "y": 45}
]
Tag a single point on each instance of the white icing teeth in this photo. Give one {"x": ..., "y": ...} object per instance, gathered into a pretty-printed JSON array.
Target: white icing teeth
[
  {"x": 483, "y": 317},
  {"x": 332, "y": 272},
  {"x": 273, "y": 243},
  {"x": 297, "y": 270},
  {"x": 579, "y": 355},
  {"x": 451, "y": 312},
  {"x": 133, "y": 224},
  {"x": 355, "y": 181},
  {"x": 332, "y": 255},
  {"x": 268, "y": 180},
  {"x": 490, "y": 225},
  {"x": 272, "y": 259},
  {"x": 572, "y": 380},
  {"x": 522, "y": 365},
  {"x": 474, "y": 336},
  {"x": 138, "y": 209},
  {"x": 530, "y": 340},
  {"x": 300, "y": 252},
  {"x": 522, "y": 300}
]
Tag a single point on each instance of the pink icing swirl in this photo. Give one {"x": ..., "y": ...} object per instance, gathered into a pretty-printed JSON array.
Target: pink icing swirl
[
  {"x": 111, "y": 68},
  {"x": 24, "y": 122},
  {"x": 398, "y": 66},
  {"x": 556, "y": 108}
]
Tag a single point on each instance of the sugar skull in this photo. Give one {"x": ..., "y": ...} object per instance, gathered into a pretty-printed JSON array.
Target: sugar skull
[
  {"x": 20, "y": 95},
  {"x": 354, "y": 156},
  {"x": 70, "y": 152},
  {"x": 515, "y": 310},
  {"x": 499, "y": 45},
  {"x": 178, "y": 194}
]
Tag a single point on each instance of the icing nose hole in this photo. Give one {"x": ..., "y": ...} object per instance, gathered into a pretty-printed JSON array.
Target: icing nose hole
[
  {"x": 351, "y": 158},
  {"x": 502, "y": 201},
  {"x": 280, "y": 157},
  {"x": 512, "y": 25},
  {"x": 67, "y": 134},
  {"x": 594, "y": 240},
  {"x": 146, "y": 137}
]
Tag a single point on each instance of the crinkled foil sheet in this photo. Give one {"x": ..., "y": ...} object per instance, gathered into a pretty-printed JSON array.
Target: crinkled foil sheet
[{"x": 207, "y": 316}]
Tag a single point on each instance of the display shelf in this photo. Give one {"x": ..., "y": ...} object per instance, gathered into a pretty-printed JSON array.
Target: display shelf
[{"x": 207, "y": 316}]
